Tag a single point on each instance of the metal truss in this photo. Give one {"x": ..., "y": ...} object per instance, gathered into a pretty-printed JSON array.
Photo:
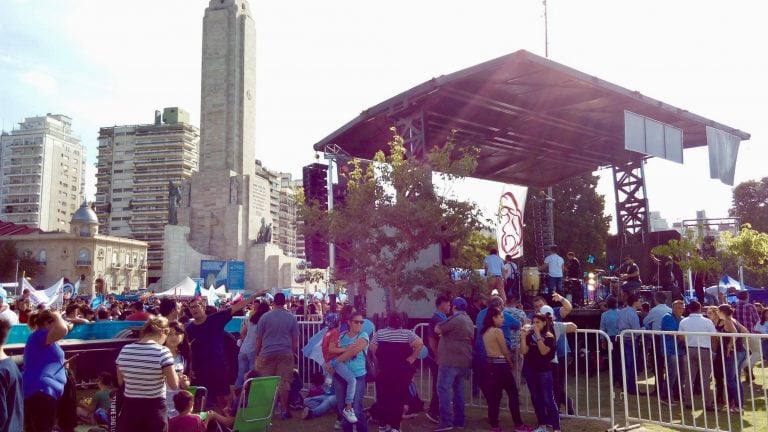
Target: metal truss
[{"x": 631, "y": 201}]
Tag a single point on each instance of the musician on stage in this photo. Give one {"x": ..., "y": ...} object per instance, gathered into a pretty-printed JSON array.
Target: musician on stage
[
  {"x": 573, "y": 273},
  {"x": 629, "y": 273},
  {"x": 667, "y": 275},
  {"x": 553, "y": 265}
]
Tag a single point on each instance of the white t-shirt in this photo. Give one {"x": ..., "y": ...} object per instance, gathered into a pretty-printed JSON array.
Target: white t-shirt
[
  {"x": 555, "y": 263},
  {"x": 696, "y": 322},
  {"x": 9, "y": 315}
]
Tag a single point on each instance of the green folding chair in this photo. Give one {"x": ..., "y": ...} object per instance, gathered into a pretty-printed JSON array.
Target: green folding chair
[{"x": 254, "y": 411}]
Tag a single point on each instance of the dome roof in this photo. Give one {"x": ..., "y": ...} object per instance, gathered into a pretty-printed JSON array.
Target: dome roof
[{"x": 85, "y": 214}]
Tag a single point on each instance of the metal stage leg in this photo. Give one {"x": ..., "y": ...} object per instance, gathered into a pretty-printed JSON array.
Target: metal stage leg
[{"x": 631, "y": 201}]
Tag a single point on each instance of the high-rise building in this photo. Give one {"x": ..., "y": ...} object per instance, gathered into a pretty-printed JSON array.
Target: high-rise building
[
  {"x": 136, "y": 164},
  {"x": 41, "y": 169},
  {"x": 282, "y": 208}
]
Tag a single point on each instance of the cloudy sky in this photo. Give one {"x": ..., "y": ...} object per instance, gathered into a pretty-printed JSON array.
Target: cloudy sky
[{"x": 107, "y": 62}]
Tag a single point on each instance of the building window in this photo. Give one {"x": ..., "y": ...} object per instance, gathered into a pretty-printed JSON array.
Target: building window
[
  {"x": 84, "y": 257},
  {"x": 42, "y": 257}
]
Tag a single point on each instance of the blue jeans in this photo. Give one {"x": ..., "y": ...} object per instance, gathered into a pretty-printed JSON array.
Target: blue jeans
[
  {"x": 733, "y": 378},
  {"x": 555, "y": 284},
  {"x": 321, "y": 404},
  {"x": 672, "y": 385},
  {"x": 541, "y": 387},
  {"x": 451, "y": 379},
  {"x": 342, "y": 370},
  {"x": 340, "y": 387},
  {"x": 246, "y": 361}
]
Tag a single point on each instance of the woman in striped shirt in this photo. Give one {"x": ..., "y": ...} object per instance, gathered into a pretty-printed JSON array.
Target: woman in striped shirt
[{"x": 145, "y": 367}]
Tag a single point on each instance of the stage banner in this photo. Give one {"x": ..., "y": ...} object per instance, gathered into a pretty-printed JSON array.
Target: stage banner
[{"x": 509, "y": 218}]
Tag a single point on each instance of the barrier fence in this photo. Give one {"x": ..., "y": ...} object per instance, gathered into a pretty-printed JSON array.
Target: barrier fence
[
  {"x": 595, "y": 364},
  {"x": 701, "y": 374}
]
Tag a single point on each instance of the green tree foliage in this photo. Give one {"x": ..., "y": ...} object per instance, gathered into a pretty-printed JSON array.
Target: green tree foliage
[
  {"x": 748, "y": 248},
  {"x": 581, "y": 225},
  {"x": 392, "y": 214},
  {"x": 687, "y": 250},
  {"x": 8, "y": 256},
  {"x": 750, "y": 203}
]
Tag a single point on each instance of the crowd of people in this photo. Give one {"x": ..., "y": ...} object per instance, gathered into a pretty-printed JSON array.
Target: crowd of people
[
  {"x": 183, "y": 347},
  {"x": 688, "y": 365}
]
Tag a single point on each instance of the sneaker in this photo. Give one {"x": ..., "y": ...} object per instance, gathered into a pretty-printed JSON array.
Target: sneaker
[
  {"x": 541, "y": 429},
  {"x": 442, "y": 428},
  {"x": 349, "y": 414},
  {"x": 386, "y": 428},
  {"x": 306, "y": 414},
  {"x": 433, "y": 418},
  {"x": 337, "y": 425}
]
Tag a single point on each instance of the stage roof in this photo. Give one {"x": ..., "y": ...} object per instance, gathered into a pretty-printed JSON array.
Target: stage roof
[{"x": 536, "y": 122}]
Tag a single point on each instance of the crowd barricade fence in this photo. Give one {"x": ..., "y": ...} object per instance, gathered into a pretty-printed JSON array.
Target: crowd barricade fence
[
  {"x": 586, "y": 377},
  {"x": 707, "y": 390}
]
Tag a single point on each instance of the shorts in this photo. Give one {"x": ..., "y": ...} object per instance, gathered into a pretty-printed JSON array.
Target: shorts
[{"x": 277, "y": 365}]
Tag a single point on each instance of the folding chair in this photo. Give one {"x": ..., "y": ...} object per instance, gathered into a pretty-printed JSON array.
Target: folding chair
[
  {"x": 254, "y": 411},
  {"x": 199, "y": 395}
]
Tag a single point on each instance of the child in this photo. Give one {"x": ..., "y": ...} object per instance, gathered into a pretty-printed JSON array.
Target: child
[
  {"x": 330, "y": 351},
  {"x": 96, "y": 411},
  {"x": 316, "y": 387},
  {"x": 185, "y": 421}
]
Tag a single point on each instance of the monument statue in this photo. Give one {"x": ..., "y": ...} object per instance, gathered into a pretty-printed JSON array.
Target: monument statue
[
  {"x": 174, "y": 199},
  {"x": 265, "y": 232}
]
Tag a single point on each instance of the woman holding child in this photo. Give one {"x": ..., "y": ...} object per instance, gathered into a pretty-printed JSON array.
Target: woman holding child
[{"x": 355, "y": 341}]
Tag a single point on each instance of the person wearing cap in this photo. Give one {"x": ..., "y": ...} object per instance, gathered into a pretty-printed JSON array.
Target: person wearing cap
[
  {"x": 454, "y": 359},
  {"x": 629, "y": 273},
  {"x": 5, "y": 310},
  {"x": 11, "y": 389}
]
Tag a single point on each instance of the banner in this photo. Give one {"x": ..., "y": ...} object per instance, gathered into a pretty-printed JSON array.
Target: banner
[{"x": 509, "y": 228}]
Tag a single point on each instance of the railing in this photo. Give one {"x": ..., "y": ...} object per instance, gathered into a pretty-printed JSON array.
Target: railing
[
  {"x": 586, "y": 375},
  {"x": 657, "y": 357}
]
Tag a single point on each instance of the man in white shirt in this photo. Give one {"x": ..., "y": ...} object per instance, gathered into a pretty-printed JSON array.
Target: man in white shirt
[
  {"x": 553, "y": 265},
  {"x": 5, "y": 310},
  {"x": 699, "y": 355},
  {"x": 652, "y": 321},
  {"x": 493, "y": 266}
]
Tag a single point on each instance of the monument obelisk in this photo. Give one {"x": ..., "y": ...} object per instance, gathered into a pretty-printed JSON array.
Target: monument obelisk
[{"x": 219, "y": 207}]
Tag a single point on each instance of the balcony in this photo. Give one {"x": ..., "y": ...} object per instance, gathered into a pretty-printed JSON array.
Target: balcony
[{"x": 84, "y": 263}]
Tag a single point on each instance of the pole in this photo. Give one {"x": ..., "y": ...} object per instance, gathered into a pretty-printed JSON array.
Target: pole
[
  {"x": 331, "y": 249},
  {"x": 546, "y": 32},
  {"x": 18, "y": 283}
]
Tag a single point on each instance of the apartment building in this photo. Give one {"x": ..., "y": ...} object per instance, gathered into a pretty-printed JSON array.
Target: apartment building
[
  {"x": 134, "y": 167},
  {"x": 41, "y": 173}
]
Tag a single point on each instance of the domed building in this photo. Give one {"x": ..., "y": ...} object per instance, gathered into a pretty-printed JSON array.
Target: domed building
[{"x": 103, "y": 263}]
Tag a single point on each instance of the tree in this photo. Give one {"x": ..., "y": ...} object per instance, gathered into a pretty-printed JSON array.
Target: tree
[
  {"x": 392, "y": 214},
  {"x": 580, "y": 223},
  {"x": 750, "y": 203},
  {"x": 8, "y": 258},
  {"x": 749, "y": 248}
]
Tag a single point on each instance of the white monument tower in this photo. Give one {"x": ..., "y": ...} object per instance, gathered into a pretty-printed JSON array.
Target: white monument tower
[
  {"x": 217, "y": 205},
  {"x": 218, "y": 216}
]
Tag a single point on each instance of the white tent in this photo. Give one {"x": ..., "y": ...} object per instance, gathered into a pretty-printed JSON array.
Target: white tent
[{"x": 185, "y": 288}]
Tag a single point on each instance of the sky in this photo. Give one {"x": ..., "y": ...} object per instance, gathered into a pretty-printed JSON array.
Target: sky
[{"x": 319, "y": 64}]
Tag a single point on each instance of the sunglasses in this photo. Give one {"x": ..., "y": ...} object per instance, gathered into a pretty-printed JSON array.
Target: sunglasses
[{"x": 357, "y": 321}]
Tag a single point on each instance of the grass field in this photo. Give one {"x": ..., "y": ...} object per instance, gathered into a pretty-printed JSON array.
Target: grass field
[{"x": 643, "y": 407}]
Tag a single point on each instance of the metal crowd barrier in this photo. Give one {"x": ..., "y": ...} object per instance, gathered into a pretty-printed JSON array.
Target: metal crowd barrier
[
  {"x": 707, "y": 382},
  {"x": 587, "y": 378}
]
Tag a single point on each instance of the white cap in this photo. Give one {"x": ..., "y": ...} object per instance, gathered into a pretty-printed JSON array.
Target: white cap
[{"x": 546, "y": 309}]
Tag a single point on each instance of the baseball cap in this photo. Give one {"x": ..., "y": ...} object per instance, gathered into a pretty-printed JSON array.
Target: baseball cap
[
  {"x": 459, "y": 303},
  {"x": 547, "y": 309}
]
